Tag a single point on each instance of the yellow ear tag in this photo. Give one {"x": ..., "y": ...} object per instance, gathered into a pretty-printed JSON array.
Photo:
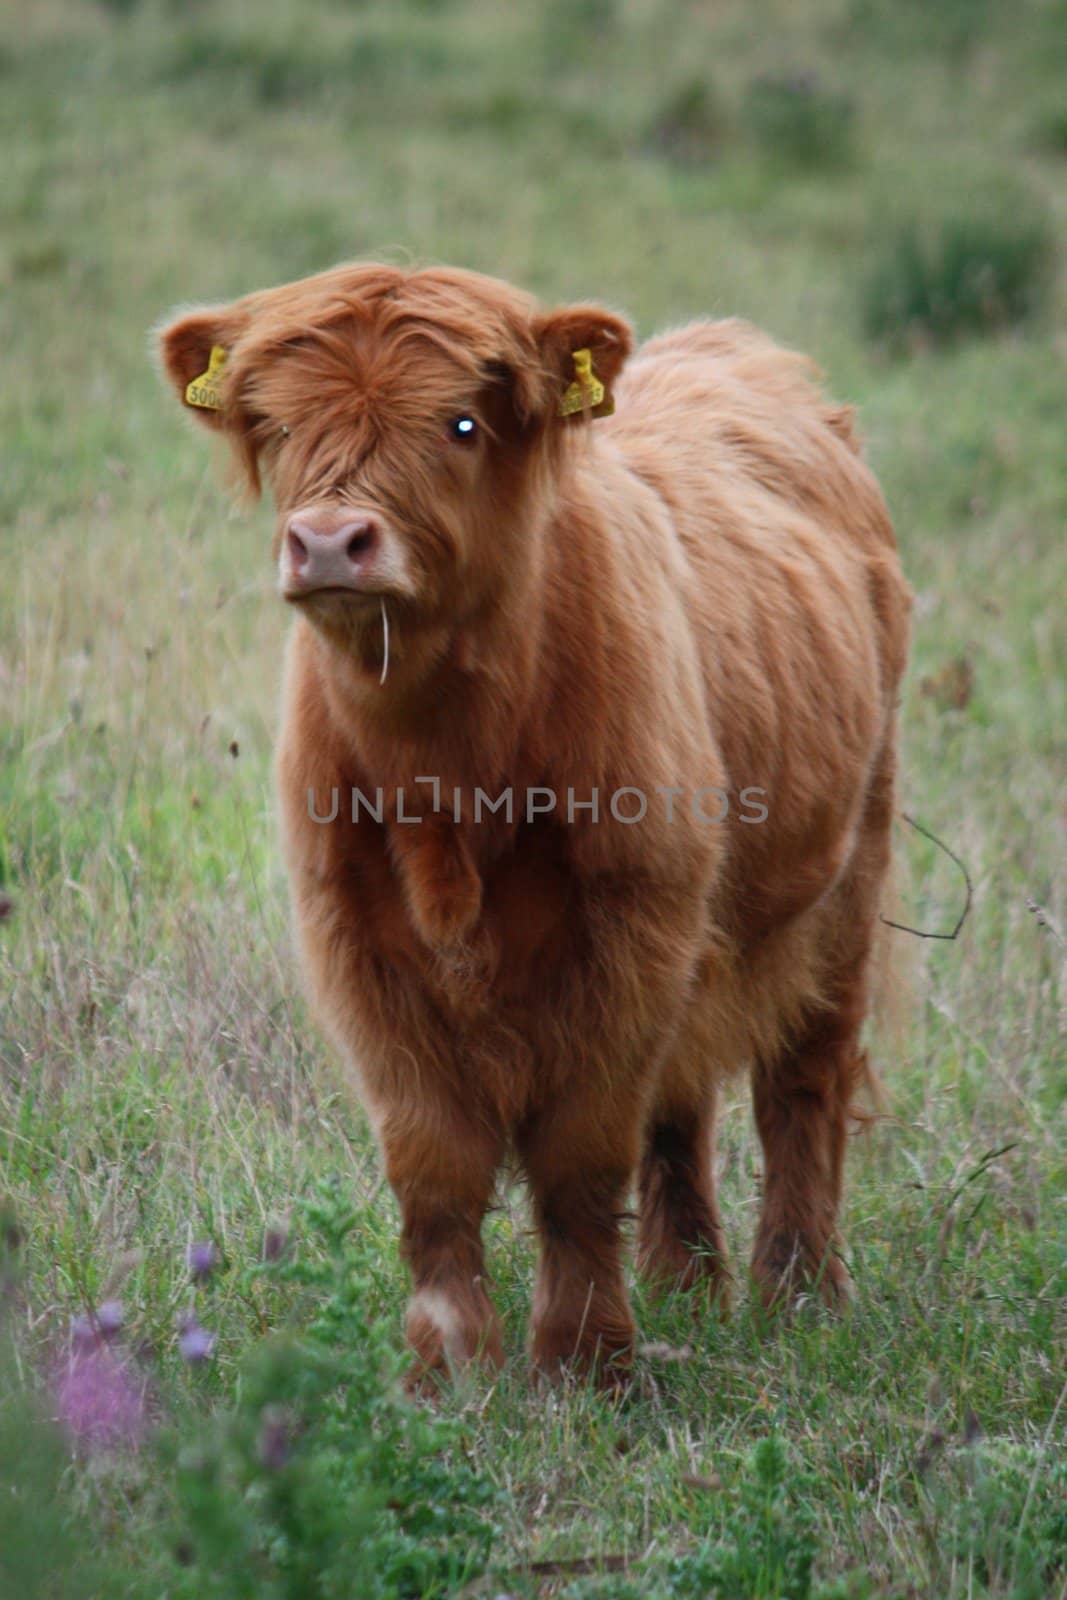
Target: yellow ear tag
[
  {"x": 586, "y": 390},
  {"x": 204, "y": 391}
]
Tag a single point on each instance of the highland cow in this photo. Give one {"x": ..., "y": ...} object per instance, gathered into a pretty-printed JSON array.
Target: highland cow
[{"x": 523, "y": 565}]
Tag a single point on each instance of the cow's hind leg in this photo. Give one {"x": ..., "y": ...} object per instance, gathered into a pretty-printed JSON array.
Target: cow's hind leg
[
  {"x": 680, "y": 1243},
  {"x": 804, "y": 1092},
  {"x": 802, "y": 1101},
  {"x": 804, "y": 1095}
]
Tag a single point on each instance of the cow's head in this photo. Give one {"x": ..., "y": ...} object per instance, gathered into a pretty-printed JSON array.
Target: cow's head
[{"x": 409, "y": 424}]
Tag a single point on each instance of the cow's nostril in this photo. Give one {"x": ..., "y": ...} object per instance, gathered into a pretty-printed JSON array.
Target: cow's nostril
[
  {"x": 298, "y": 551},
  {"x": 360, "y": 542}
]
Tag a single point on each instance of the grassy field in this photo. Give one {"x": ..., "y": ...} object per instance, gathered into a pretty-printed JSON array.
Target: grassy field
[{"x": 159, "y": 1079}]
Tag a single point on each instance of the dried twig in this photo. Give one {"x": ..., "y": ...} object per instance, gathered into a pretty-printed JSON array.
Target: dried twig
[{"x": 922, "y": 933}]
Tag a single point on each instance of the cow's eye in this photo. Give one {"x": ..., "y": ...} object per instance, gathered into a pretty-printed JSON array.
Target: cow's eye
[{"x": 464, "y": 430}]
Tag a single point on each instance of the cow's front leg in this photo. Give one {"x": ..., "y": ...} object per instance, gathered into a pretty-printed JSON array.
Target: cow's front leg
[
  {"x": 579, "y": 1161},
  {"x": 609, "y": 1031},
  {"x": 441, "y": 1164}
]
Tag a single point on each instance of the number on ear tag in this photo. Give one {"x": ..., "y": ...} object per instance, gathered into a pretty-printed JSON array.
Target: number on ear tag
[{"x": 204, "y": 391}]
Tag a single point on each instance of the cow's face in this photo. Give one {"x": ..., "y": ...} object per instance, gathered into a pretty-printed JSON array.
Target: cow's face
[{"x": 408, "y": 424}]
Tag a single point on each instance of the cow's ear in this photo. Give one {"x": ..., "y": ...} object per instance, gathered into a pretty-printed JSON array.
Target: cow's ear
[
  {"x": 194, "y": 349},
  {"x": 582, "y": 350}
]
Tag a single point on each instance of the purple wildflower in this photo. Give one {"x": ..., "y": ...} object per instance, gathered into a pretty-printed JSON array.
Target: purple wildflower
[
  {"x": 109, "y": 1318},
  {"x": 84, "y": 1334},
  {"x": 100, "y": 1399},
  {"x": 194, "y": 1342},
  {"x": 203, "y": 1258},
  {"x": 87, "y": 1331}
]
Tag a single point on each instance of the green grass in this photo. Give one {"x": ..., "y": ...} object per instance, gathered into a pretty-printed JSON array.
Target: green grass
[
  {"x": 971, "y": 274},
  {"x": 159, "y": 1079}
]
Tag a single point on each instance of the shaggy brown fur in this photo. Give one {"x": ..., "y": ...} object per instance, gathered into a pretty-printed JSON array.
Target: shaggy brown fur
[{"x": 702, "y": 590}]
